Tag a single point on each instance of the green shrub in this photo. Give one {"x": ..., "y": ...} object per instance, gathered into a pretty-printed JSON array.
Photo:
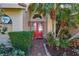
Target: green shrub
[
  {"x": 64, "y": 43},
  {"x": 21, "y": 40}
]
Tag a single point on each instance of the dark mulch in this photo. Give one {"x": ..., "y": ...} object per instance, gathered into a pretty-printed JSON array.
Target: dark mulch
[{"x": 59, "y": 52}]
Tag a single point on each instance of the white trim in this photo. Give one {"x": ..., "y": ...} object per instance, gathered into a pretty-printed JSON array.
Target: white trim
[{"x": 47, "y": 53}]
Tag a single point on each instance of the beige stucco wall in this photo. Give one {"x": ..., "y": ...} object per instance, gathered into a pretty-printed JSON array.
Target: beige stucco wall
[
  {"x": 49, "y": 24},
  {"x": 17, "y": 18},
  {"x": 25, "y": 21}
]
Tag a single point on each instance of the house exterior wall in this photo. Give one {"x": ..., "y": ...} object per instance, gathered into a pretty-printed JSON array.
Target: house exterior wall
[
  {"x": 20, "y": 20},
  {"x": 25, "y": 21},
  {"x": 49, "y": 24},
  {"x": 17, "y": 18}
]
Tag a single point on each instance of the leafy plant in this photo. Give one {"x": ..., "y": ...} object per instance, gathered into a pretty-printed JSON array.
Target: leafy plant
[
  {"x": 18, "y": 52},
  {"x": 64, "y": 43},
  {"x": 58, "y": 42},
  {"x": 10, "y": 51},
  {"x": 52, "y": 41},
  {"x": 40, "y": 8}
]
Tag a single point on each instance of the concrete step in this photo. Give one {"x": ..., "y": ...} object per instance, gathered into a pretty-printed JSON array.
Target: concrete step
[{"x": 4, "y": 39}]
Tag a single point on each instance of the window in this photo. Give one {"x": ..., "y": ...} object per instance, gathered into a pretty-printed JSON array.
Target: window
[
  {"x": 34, "y": 26},
  {"x": 40, "y": 27}
]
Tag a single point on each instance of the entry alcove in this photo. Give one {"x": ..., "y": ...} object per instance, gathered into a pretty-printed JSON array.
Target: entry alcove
[{"x": 37, "y": 24}]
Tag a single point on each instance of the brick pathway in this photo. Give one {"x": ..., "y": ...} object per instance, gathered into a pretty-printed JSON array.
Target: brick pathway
[{"x": 38, "y": 48}]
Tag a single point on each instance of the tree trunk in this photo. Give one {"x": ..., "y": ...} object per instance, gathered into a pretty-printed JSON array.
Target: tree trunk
[
  {"x": 54, "y": 32},
  {"x": 55, "y": 22},
  {"x": 46, "y": 23}
]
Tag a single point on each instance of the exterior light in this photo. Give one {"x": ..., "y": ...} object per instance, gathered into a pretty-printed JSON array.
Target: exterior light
[{"x": 6, "y": 19}]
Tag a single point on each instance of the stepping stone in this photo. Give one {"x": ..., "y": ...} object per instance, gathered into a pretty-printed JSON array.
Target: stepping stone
[{"x": 4, "y": 39}]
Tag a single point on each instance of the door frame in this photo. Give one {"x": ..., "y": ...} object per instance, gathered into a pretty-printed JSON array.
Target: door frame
[{"x": 37, "y": 25}]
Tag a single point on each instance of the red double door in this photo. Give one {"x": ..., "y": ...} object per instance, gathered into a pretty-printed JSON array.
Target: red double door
[{"x": 39, "y": 29}]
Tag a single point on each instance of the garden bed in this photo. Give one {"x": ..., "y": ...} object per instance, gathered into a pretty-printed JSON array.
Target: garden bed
[{"x": 61, "y": 51}]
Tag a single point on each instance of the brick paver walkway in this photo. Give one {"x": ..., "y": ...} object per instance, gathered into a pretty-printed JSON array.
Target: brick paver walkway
[{"x": 38, "y": 48}]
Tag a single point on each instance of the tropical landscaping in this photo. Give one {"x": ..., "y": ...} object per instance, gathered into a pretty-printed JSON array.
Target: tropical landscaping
[
  {"x": 21, "y": 44},
  {"x": 62, "y": 41}
]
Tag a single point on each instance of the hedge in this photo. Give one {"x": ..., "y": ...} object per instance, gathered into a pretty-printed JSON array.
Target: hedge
[{"x": 21, "y": 40}]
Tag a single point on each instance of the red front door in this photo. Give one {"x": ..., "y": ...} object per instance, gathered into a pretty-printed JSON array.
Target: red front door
[{"x": 38, "y": 33}]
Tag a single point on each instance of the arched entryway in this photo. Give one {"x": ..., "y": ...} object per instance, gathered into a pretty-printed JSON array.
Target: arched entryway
[{"x": 37, "y": 25}]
